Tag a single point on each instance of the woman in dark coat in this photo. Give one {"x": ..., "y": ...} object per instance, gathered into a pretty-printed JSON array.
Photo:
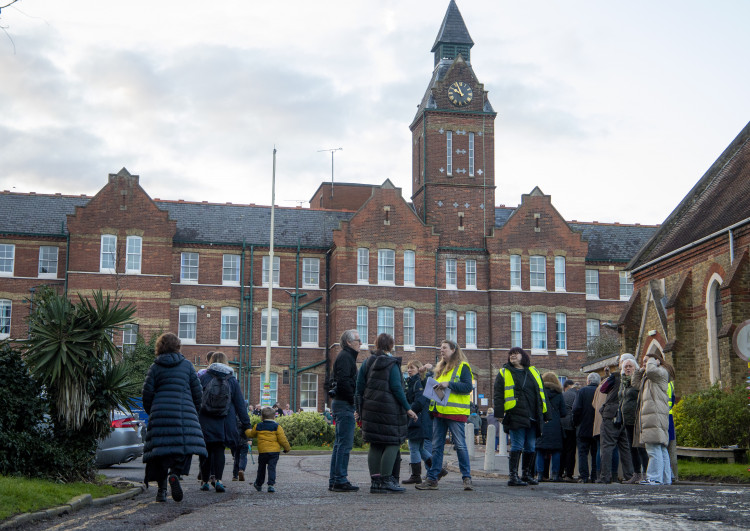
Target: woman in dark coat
[
  {"x": 419, "y": 432},
  {"x": 221, "y": 431},
  {"x": 628, "y": 395},
  {"x": 381, "y": 404},
  {"x": 551, "y": 441},
  {"x": 171, "y": 397}
]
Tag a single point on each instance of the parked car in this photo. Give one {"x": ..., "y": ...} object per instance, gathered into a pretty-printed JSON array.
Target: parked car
[{"x": 124, "y": 444}]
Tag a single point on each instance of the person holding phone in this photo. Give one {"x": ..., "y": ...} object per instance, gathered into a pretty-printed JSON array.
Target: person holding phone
[{"x": 453, "y": 373}]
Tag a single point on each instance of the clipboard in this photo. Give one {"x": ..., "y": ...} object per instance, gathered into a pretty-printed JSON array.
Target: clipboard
[{"x": 439, "y": 396}]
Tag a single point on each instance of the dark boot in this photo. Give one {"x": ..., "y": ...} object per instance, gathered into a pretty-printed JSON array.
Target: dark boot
[
  {"x": 390, "y": 485},
  {"x": 174, "y": 486},
  {"x": 376, "y": 487},
  {"x": 161, "y": 493},
  {"x": 527, "y": 463},
  {"x": 416, "y": 474},
  {"x": 513, "y": 480}
]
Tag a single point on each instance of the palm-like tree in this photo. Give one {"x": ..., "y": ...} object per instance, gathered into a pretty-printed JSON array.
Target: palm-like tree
[{"x": 70, "y": 351}]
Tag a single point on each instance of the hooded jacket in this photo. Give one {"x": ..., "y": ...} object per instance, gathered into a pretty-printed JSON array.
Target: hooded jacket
[
  {"x": 225, "y": 429},
  {"x": 380, "y": 392},
  {"x": 652, "y": 422},
  {"x": 171, "y": 397},
  {"x": 552, "y": 432},
  {"x": 271, "y": 437}
]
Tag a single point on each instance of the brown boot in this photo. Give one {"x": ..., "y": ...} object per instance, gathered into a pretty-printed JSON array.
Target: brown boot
[{"x": 416, "y": 474}]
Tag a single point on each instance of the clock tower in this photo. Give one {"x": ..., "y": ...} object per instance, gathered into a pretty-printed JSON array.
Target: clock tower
[{"x": 453, "y": 144}]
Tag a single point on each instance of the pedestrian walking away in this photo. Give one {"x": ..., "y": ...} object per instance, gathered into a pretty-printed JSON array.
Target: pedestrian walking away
[{"x": 271, "y": 441}]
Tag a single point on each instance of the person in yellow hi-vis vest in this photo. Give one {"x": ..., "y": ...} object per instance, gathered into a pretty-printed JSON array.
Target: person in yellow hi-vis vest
[
  {"x": 520, "y": 401},
  {"x": 452, "y": 372}
]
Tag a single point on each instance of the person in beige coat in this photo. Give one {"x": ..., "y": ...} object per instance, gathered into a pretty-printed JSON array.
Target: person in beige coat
[{"x": 652, "y": 421}]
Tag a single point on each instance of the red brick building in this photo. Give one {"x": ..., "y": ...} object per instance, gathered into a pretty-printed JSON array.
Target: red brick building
[
  {"x": 447, "y": 263},
  {"x": 692, "y": 279}
]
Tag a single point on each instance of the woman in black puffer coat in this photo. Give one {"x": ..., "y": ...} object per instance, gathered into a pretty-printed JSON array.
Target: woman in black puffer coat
[
  {"x": 171, "y": 397},
  {"x": 551, "y": 441},
  {"x": 381, "y": 404}
]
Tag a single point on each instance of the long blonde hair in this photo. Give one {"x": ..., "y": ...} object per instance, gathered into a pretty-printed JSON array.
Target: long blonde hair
[{"x": 454, "y": 361}]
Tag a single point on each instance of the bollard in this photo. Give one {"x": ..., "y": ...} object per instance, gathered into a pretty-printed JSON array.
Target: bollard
[
  {"x": 503, "y": 443},
  {"x": 489, "y": 450},
  {"x": 469, "y": 429}
]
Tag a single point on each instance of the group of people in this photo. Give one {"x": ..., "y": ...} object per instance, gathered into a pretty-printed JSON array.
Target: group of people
[
  {"x": 201, "y": 414},
  {"x": 391, "y": 410}
]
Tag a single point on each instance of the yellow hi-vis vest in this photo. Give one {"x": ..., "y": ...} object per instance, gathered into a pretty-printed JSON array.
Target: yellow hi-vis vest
[
  {"x": 458, "y": 404},
  {"x": 670, "y": 395},
  {"x": 510, "y": 396}
]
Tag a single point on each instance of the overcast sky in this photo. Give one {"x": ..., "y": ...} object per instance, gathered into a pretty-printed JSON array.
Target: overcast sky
[{"x": 615, "y": 109}]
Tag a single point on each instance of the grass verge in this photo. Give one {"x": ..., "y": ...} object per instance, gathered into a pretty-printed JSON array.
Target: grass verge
[
  {"x": 23, "y": 495},
  {"x": 689, "y": 469}
]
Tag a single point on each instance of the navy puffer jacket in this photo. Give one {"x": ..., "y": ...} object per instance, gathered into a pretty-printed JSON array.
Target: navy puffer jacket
[
  {"x": 225, "y": 429},
  {"x": 171, "y": 397}
]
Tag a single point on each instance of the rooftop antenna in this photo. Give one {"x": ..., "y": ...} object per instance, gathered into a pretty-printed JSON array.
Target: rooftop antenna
[{"x": 332, "y": 151}]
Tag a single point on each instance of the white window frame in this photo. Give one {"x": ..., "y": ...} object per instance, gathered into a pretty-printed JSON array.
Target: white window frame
[
  {"x": 538, "y": 333},
  {"x": 129, "y": 337},
  {"x": 626, "y": 286},
  {"x": 516, "y": 329},
  {"x": 471, "y": 275},
  {"x": 515, "y": 272},
  {"x": 451, "y": 325},
  {"x": 274, "y": 327},
  {"x": 230, "y": 325},
  {"x": 386, "y": 321},
  {"x": 46, "y": 263},
  {"x": 7, "y": 259},
  {"x": 309, "y": 324},
  {"x": 363, "y": 315},
  {"x": 593, "y": 330},
  {"x": 133, "y": 255},
  {"x": 561, "y": 333},
  {"x": 187, "y": 268},
  {"x": 471, "y": 154},
  {"x": 311, "y": 272},
  {"x": 273, "y": 388},
  {"x": 230, "y": 270},
  {"x": 110, "y": 251},
  {"x": 451, "y": 273},
  {"x": 471, "y": 329},
  {"x": 363, "y": 265},
  {"x": 559, "y": 273},
  {"x": 276, "y": 271},
  {"x": 386, "y": 266},
  {"x": 308, "y": 391},
  {"x": 538, "y": 272},
  {"x": 6, "y": 309},
  {"x": 409, "y": 268},
  {"x": 187, "y": 329},
  {"x": 409, "y": 330},
  {"x": 592, "y": 284},
  {"x": 449, "y": 152}
]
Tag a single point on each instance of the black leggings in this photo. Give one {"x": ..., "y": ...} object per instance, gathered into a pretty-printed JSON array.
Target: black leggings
[
  {"x": 639, "y": 455},
  {"x": 213, "y": 465}
]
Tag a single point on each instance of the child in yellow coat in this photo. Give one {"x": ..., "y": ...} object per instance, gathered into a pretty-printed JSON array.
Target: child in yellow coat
[{"x": 271, "y": 440}]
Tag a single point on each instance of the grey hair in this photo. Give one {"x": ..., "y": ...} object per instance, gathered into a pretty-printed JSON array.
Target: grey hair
[
  {"x": 347, "y": 337},
  {"x": 593, "y": 378},
  {"x": 631, "y": 361}
]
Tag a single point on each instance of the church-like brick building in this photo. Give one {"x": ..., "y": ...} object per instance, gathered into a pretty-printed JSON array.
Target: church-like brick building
[{"x": 444, "y": 262}]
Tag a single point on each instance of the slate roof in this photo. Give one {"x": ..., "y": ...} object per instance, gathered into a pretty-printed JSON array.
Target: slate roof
[
  {"x": 37, "y": 214},
  {"x": 719, "y": 199},
  {"x": 453, "y": 29}
]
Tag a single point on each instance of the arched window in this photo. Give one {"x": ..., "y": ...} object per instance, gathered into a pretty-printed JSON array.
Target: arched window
[{"x": 713, "y": 325}]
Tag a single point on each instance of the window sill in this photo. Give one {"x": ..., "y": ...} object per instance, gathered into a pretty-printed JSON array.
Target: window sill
[
  {"x": 409, "y": 348},
  {"x": 265, "y": 285},
  {"x": 561, "y": 352},
  {"x": 592, "y": 297},
  {"x": 311, "y": 286},
  {"x": 624, "y": 298},
  {"x": 539, "y": 352},
  {"x": 230, "y": 282},
  {"x": 471, "y": 288},
  {"x": 516, "y": 288},
  {"x": 538, "y": 288},
  {"x": 273, "y": 343},
  {"x": 386, "y": 283},
  {"x": 186, "y": 281},
  {"x": 187, "y": 341},
  {"x": 101, "y": 270},
  {"x": 451, "y": 286},
  {"x": 364, "y": 282},
  {"x": 560, "y": 290},
  {"x": 133, "y": 272},
  {"x": 309, "y": 345},
  {"x": 470, "y": 346},
  {"x": 409, "y": 284},
  {"x": 45, "y": 275}
]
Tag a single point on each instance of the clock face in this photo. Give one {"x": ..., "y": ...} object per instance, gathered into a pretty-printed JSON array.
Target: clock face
[{"x": 460, "y": 93}]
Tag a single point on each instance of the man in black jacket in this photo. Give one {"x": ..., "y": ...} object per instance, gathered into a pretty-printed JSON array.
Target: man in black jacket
[
  {"x": 342, "y": 409},
  {"x": 583, "y": 419}
]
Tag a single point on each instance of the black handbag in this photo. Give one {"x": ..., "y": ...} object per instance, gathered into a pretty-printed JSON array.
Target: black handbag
[{"x": 618, "y": 418}]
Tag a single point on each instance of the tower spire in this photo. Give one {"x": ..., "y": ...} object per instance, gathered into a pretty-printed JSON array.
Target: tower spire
[{"x": 453, "y": 37}]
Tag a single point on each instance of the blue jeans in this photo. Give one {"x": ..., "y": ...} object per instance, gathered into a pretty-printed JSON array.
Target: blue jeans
[
  {"x": 240, "y": 458},
  {"x": 343, "y": 415},
  {"x": 523, "y": 440},
  {"x": 659, "y": 469},
  {"x": 440, "y": 427},
  {"x": 418, "y": 452},
  {"x": 554, "y": 466},
  {"x": 269, "y": 460}
]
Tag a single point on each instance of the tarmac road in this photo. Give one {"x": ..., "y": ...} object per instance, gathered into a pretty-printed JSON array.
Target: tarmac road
[{"x": 302, "y": 501}]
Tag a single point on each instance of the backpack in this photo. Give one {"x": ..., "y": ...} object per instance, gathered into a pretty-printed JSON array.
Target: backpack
[{"x": 216, "y": 397}]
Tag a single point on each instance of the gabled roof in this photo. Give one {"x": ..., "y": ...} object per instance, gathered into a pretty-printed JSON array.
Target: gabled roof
[
  {"x": 719, "y": 199},
  {"x": 453, "y": 29}
]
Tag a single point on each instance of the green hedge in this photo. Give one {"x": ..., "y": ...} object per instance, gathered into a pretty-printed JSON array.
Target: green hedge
[
  {"x": 713, "y": 418},
  {"x": 309, "y": 429}
]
